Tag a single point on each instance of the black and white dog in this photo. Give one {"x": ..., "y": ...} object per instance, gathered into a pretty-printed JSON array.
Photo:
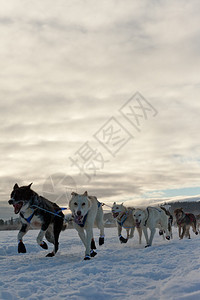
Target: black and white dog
[{"x": 36, "y": 211}]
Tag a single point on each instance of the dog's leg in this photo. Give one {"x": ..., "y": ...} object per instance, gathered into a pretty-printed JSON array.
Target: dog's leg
[
  {"x": 165, "y": 227},
  {"x": 127, "y": 234},
  {"x": 140, "y": 234},
  {"x": 183, "y": 232},
  {"x": 40, "y": 241},
  {"x": 81, "y": 234},
  {"x": 194, "y": 227},
  {"x": 121, "y": 238},
  {"x": 56, "y": 231},
  {"x": 93, "y": 245},
  {"x": 22, "y": 232},
  {"x": 132, "y": 232},
  {"x": 179, "y": 231},
  {"x": 146, "y": 236},
  {"x": 187, "y": 231},
  {"x": 88, "y": 251},
  {"x": 100, "y": 225},
  {"x": 153, "y": 230}
]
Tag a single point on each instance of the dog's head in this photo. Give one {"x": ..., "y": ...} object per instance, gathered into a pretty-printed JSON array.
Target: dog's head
[
  {"x": 139, "y": 217},
  {"x": 178, "y": 213},
  {"x": 79, "y": 206},
  {"x": 117, "y": 209},
  {"x": 20, "y": 197}
]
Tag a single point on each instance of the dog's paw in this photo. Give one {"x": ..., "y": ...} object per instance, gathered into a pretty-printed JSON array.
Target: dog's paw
[
  {"x": 44, "y": 245},
  {"x": 87, "y": 257},
  {"x": 101, "y": 240},
  {"x": 168, "y": 237},
  {"x": 21, "y": 247},
  {"x": 93, "y": 253},
  {"x": 123, "y": 240},
  {"x": 93, "y": 246},
  {"x": 51, "y": 254}
]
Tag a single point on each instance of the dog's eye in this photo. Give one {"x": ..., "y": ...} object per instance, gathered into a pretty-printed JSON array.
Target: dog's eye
[
  {"x": 75, "y": 203},
  {"x": 139, "y": 215},
  {"x": 83, "y": 204}
]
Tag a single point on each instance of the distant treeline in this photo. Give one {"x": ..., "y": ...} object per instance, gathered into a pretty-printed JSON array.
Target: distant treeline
[{"x": 188, "y": 207}]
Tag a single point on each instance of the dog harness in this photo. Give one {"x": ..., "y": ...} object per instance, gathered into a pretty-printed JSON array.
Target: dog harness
[
  {"x": 122, "y": 221},
  {"x": 29, "y": 218}
]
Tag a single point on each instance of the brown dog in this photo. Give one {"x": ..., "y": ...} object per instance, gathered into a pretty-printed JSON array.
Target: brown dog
[{"x": 184, "y": 221}]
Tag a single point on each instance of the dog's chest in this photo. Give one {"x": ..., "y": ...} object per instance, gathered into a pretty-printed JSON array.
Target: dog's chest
[
  {"x": 29, "y": 217},
  {"x": 36, "y": 222}
]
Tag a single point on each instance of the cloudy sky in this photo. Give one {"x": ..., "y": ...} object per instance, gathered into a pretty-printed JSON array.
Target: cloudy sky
[{"x": 100, "y": 96}]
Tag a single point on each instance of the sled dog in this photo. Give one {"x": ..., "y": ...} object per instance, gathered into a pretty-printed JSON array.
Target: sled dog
[
  {"x": 151, "y": 218},
  {"x": 124, "y": 218},
  {"x": 184, "y": 221},
  {"x": 86, "y": 210},
  {"x": 36, "y": 211}
]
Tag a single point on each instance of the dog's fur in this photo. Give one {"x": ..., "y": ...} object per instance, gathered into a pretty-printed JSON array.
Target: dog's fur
[
  {"x": 184, "y": 221},
  {"x": 151, "y": 218},
  {"x": 198, "y": 222},
  {"x": 24, "y": 200},
  {"x": 170, "y": 222},
  {"x": 87, "y": 210},
  {"x": 124, "y": 218}
]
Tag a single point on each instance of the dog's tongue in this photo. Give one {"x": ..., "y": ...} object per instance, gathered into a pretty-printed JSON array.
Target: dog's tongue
[
  {"x": 78, "y": 219},
  {"x": 115, "y": 214},
  {"x": 17, "y": 207},
  {"x": 137, "y": 224}
]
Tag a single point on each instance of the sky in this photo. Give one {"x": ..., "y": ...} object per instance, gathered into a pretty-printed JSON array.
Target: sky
[{"x": 100, "y": 96}]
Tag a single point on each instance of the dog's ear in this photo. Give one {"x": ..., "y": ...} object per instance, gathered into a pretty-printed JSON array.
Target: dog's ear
[
  {"x": 85, "y": 194},
  {"x": 15, "y": 186},
  {"x": 74, "y": 194},
  {"x": 29, "y": 186}
]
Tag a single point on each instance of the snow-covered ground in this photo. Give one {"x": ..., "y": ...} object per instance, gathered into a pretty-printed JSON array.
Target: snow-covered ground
[{"x": 167, "y": 270}]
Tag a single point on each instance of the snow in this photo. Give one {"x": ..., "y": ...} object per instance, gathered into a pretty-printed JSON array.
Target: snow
[{"x": 167, "y": 270}]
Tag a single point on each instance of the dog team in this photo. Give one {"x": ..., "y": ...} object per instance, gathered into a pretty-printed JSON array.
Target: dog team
[{"x": 36, "y": 211}]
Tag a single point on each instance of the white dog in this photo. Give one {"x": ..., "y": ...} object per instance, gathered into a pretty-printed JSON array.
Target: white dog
[
  {"x": 151, "y": 218},
  {"x": 124, "y": 218},
  {"x": 85, "y": 211}
]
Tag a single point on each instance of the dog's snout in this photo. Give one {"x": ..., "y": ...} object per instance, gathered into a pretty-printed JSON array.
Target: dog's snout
[
  {"x": 78, "y": 213},
  {"x": 10, "y": 201}
]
